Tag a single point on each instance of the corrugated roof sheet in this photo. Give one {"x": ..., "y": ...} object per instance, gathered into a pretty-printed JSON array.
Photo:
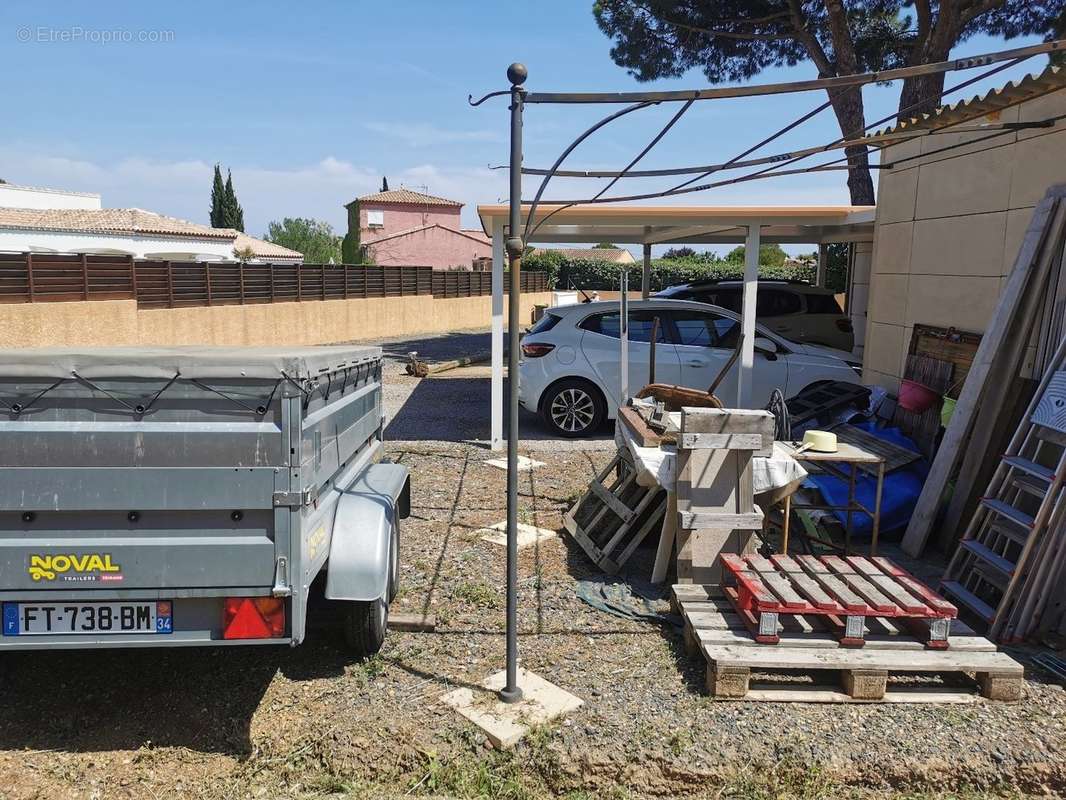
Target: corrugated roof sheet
[
  {"x": 1050, "y": 80},
  {"x": 407, "y": 196}
]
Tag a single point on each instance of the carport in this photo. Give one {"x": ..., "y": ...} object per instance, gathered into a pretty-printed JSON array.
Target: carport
[{"x": 650, "y": 225}]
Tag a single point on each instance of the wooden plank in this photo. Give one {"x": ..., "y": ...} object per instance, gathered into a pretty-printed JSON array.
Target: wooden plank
[
  {"x": 895, "y": 456},
  {"x": 721, "y": 441},
  {"x": 694, "y": 520},
  {"x": 806, "y": 585},
  {"x": 860, "y": 585},
  {"x": 864, "y": 658},
  {"x": 750, "y": 581},
  {"x": 816, "y": 694},
  {"x": 836, "y": 589},
  {"x": 916, "y": 587},
  {"x": 1046, "y": 216},
  {"x": 634, "y": 422},
  {"x": 714, "y": 637},
  {"x": 890, "y": 587},
  {"x": 412, "y": 623}
]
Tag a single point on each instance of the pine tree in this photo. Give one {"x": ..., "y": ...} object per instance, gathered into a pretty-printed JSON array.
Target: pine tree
[
  {"x": 218, "y": 192},
  {"x": 232, "y": 211}
]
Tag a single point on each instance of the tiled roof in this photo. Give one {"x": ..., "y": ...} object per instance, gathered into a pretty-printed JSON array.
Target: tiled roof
[
  {"x": 408, "y": 197},
  {"x": 7, "y": 185},
  {"x": 612, "y": 255},
  {"x": 1031, "y": 86},
  {"x": 107, "y": 220},
  {"x": 260, "y": 248}
]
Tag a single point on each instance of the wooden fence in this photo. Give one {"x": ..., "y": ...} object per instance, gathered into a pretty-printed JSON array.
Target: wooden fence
[{"x": 35, "y": 278}]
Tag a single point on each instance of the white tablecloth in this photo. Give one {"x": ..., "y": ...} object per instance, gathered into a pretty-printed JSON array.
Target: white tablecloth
[{"x": 656, "y": 465}]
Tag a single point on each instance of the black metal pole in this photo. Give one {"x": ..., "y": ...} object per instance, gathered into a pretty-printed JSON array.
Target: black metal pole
[{"x": 516, "y": 74}]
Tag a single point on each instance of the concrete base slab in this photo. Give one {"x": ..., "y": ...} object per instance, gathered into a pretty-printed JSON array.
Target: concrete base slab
[
  {"x": 523, "y": 463},
  {"x": 505, "y": 724},
  {"x": 528, "y": 535}
]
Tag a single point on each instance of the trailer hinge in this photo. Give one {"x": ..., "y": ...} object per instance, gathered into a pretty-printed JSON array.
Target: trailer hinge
[
  {"x": 281, "y": 578},
  {"x": 295, "y": 499}
]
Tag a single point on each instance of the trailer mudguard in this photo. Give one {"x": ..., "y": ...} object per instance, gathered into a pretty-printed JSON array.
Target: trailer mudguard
[{"x": 358, "y": 566}]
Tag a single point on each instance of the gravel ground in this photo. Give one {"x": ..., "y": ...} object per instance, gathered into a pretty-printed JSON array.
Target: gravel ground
[{"x": 308, "y": 722}]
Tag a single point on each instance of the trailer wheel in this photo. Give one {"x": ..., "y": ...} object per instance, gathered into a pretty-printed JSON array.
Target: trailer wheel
[
  {"x": 365, "y": 626},
  {"x": 394, "y": 561}
]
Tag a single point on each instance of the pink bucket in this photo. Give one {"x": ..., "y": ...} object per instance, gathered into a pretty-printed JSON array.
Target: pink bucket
[{"x": 916, "y": 397}]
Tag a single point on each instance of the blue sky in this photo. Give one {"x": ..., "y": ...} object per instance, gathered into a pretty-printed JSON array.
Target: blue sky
[{"x": 310, "y": 104}]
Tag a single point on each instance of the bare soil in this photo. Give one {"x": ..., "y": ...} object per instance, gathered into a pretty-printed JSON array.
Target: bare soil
[{"x": 310, "y": 722}]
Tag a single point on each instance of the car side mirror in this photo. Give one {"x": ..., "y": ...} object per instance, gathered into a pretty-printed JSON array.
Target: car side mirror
[{"x": 768, "y": 347}]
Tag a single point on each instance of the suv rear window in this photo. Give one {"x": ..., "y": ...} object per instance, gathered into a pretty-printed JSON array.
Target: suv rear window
[
  {"x": 545, "y": 323},
  {"x": 823, "y": 304}
]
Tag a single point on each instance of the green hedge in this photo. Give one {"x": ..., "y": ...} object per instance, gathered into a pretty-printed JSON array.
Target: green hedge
[{"x": 565, "y": 273}]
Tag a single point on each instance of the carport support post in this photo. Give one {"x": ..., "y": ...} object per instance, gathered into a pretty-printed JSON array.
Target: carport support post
[
  {"x": 496, "y": 414},
  {"x": 747, "y": 325},
  {"x": 516, "y": 74},
  {"x": 645, "y": 285},
  {"x": 823, "y": 257}
]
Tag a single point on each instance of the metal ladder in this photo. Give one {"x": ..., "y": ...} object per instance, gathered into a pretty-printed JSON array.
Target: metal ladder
[{"x": 1018, "y": 524}]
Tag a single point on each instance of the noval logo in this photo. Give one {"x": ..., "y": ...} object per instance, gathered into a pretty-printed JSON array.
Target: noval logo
[{"x": 88, "y": 566}]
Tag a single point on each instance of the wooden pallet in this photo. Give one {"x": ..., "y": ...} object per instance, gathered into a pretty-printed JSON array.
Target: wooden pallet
[
  {"x": 715, "y": 630},
  {"x": 844, "y": 591},
  {"x": 615, "y": 514}
]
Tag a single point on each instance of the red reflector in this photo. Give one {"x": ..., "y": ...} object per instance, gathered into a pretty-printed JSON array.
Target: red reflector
[
  {"x": 536, "y": 350},
  {"x": 253, "y": 618},
  {"x": 844, "y": 325}
]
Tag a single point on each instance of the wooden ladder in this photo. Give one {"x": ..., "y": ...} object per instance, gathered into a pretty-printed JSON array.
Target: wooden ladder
[{"x": 1001, "y": 567}]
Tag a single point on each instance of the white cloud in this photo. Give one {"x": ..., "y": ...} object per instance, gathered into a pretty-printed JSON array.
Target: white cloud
[
  {"x": 424, "y": 134},
  {"x": 182, "y": 188}
]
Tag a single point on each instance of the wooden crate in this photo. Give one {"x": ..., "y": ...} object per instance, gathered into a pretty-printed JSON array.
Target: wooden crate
[{"x": 715, "y": 631}]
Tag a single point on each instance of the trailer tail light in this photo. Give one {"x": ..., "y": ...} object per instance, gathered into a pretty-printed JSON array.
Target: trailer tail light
[
  {"x": 844, "y": 324},
  {"x": 253, "y": 618},
  {"x": 536, "y": 350}
]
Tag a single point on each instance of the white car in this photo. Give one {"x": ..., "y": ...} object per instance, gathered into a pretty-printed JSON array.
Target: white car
[{"x": 569, "y": 370}]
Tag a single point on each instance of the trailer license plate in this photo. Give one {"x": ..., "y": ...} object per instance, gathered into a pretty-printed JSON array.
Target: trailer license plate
[{"x": 40, "y": 619}]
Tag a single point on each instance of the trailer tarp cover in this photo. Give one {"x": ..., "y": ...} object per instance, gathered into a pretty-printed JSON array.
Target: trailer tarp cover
[{"x": 297, "y": 363}]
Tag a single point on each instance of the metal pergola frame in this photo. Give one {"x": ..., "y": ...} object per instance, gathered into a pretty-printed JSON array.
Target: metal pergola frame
[{"x": 517, "y": 236}]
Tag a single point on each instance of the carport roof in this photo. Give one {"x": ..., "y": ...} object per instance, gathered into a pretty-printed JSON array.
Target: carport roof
[{"x": 663, "y": 224}]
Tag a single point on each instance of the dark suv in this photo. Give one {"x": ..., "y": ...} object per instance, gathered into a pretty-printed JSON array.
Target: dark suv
[{"x": 793, "y": 309}]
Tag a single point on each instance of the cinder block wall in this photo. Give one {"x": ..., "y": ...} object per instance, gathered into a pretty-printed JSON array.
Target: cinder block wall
[
  {"x": 949, "y": 227},
  {"x": 121, "y": 323}
]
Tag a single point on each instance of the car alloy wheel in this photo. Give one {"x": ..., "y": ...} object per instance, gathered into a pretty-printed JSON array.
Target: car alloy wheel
[{"x": 572, "y": 410}]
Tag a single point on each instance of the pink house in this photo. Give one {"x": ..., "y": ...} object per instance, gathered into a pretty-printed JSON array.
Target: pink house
[{"x": 399, "y": 227}]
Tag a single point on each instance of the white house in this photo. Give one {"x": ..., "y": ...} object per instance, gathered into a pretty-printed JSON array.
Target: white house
[{"x": 36, "y": 220}]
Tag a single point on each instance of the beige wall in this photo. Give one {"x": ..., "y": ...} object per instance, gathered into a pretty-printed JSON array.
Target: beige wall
[
  {"x": 949, "y": 227},
  {"x": 120, "y": 322}
]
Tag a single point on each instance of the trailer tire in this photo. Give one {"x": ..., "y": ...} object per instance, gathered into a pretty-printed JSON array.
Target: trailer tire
[
  {"x": 394, "y": 561},
  {"x": 365, "y": 626}
]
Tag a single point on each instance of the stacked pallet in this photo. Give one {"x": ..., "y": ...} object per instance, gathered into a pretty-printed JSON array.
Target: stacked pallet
[{"x": 809, "y": 644}]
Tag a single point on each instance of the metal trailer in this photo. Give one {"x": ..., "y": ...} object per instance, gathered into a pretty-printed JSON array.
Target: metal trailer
[{"x": 190, "y": 496}]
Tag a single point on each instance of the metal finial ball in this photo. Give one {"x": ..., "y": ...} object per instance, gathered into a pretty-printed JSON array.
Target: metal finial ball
[{"x": 517, "y": 73}]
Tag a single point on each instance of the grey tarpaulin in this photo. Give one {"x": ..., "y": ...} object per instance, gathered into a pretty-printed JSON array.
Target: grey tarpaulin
[
  {"x": 629, "y": 598},
  {"x": 296, "y": 363}
]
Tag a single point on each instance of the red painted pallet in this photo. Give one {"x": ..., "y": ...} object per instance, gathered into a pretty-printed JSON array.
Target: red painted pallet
[{"x": 845, "y": 591}]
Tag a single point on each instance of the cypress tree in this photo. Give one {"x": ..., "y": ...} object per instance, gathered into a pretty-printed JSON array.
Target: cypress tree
[
  {"x": 234, "y": 214},
  {"x": 384, "y": 184},
  {"x": 351, "y": 250},
  {"x": 218, "y": 192}
]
